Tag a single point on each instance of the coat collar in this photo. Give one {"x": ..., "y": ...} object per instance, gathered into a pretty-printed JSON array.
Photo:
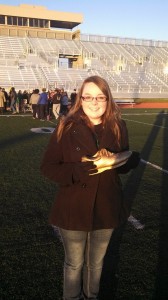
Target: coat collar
[{"x": 85, "y": 137}]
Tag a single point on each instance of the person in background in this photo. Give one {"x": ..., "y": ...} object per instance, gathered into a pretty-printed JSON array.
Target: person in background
[
  {"x": 61, "y": 93},
  {"x": 51, "y": 93},
  {"x": 49, "y": 108},
  {"x": 56, "y": 103},
  {"x": 34, "y": 98},
  {"x": 73, "y": 97},
  {"x": 6, "y": 104},
  {"x": 13, "y": 97},
  {"x": 43, "y": 104},
  {"x": 85, "y": 155},
  {"x": 64, "y": 103},
  {"x": 2, "y": 101},
  {"x": 24, "y": 100},
  {"x": 19, "y": 100}
]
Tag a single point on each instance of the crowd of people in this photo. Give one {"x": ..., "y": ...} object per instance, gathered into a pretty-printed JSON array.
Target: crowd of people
[{"x": 43, "y": 104}]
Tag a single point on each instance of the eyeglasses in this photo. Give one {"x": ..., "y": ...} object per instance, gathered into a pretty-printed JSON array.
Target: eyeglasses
[{"x": 90, "y": 98}]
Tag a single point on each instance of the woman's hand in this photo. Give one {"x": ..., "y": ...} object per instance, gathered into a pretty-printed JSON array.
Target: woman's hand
[{"x": 104, "y": 160}]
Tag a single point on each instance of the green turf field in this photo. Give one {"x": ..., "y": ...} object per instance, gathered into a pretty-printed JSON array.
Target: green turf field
[{"x": 136, "y": 265}]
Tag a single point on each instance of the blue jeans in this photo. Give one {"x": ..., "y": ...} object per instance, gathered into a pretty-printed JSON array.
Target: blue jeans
[
  {"x": 84, "y": 254},
  {"x": 12, "y": 106}
]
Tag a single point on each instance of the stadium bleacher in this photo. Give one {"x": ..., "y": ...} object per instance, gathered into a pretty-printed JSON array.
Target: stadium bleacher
[
  {"x": 131, "y": 70},
  {"x": 43, "y": 51}
]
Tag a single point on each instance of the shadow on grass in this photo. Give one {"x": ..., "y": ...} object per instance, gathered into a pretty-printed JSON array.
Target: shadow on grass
[
  {"x": 4, "y": 143},
  {"x": 109, "y": 279},
  {"x": 161, "y": 285}
]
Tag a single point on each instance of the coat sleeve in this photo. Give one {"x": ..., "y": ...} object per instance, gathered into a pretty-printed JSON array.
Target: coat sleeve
[{"x": 53, "y": 166}]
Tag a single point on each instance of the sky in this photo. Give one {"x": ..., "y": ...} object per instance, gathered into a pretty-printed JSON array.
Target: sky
[{"x": 141, "y": 19}]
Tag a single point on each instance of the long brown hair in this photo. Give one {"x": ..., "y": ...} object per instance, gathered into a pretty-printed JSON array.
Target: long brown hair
[{"x": 111, "y": 118}]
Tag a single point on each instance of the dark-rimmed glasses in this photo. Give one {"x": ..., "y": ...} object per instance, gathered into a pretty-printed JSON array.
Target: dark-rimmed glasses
[{"x": 90, "y": 98}]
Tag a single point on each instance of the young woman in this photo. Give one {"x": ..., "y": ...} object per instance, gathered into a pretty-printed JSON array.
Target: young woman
[
  {"x": 34, "y": 98},
  {"x": 82, "y": 156}
]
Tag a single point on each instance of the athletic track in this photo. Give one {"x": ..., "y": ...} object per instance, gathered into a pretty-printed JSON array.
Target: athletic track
[{"x": 146, "y": 105}]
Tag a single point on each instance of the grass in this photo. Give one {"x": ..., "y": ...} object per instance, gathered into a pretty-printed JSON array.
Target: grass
[{"x": 136, "y": 265}]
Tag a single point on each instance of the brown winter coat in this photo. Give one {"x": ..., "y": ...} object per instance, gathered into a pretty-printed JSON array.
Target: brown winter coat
[{"x": 83, "y": 202}]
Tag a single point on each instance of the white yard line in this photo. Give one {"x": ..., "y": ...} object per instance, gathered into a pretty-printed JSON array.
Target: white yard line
[
  {"x": 136, "y": 223},
  {"x": 154, "y": 166}
]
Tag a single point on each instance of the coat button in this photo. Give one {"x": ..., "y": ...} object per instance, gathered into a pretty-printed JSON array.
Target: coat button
[
  {"x": 77, "y": 148},
  {"x": 84, "y": 185}
]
